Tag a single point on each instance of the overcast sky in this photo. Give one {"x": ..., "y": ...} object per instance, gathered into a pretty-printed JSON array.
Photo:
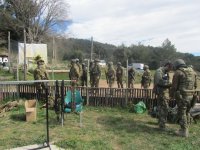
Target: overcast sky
[{"x": 131, "y": 21}]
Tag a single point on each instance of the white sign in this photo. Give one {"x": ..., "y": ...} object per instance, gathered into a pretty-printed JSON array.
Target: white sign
[{"x": 32, "y": 50}]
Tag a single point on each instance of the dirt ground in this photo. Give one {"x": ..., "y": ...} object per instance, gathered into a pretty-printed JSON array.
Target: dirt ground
[{"x": 103, "y": 83}]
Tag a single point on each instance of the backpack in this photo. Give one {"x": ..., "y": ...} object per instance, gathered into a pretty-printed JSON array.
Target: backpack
[{"x": 188, "y": 80}]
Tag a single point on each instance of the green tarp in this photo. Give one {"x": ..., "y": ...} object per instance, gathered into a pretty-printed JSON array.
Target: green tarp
[
  {"x": 140, "y": 107},
  {"x": 78, "y": 101}
]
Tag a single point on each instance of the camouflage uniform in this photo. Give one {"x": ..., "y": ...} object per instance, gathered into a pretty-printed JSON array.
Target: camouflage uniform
[
  {"x": 84, "y": 75},
  {"x": 183, "y": 89},
  {"x": 74, "y": 72},
  {"x": 40, "y": 74},
  {"x": 79, "y": 66},
  {"x": 131, "y": 77},
  {"x": 119, "y": 75},
  {"x": 95, "y": 74},
  {"x": 146, "y": 78},
  {"x": 161, "y": 89},
  {"x": 90, "y": 72},
  {"x": 110, "y": 75}
]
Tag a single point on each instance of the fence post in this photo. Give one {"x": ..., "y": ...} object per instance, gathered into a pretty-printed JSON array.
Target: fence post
[{"x": 126, "y": 100}]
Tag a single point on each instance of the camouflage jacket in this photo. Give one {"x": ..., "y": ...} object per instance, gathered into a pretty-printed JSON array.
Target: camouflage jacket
[
  {"x": 146, "y": 77},
  {"x": 40, "y": 74},
  {"x": 119, "y": 72},
  {"x": 74, "y": 72},
  {"x": 110, "y": 73},
  {"x": 161, "y": 81}
]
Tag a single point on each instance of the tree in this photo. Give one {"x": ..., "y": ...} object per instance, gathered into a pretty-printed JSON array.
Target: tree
[{"x": 37, "y": 17}]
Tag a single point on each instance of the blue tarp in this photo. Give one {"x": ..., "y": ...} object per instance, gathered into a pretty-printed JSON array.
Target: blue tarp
[{"x": 78, "y": 101}]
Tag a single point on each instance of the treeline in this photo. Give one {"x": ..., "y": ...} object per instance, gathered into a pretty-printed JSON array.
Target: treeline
[{"x": 152, "y": 56}]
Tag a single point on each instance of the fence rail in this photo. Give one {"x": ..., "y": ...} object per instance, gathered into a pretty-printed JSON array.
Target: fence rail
[{"x": 110, "y": 97}]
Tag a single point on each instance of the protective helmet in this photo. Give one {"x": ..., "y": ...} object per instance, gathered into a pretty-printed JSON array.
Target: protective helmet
[
  {"x": 110, "y": 63},
  {"x": 97, "y": 60},
  {"x": 73, "y": 61},
  {"x": 119, "y": 63},
  {"x": 178, "y": 63},
  {"x": 146, "y": 67}
]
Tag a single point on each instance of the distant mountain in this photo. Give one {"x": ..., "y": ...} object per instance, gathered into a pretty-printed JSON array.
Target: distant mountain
[{"x": 68, "y": 46}]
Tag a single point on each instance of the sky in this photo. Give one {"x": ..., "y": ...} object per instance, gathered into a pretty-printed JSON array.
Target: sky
[{"x": 148, "y": 22}]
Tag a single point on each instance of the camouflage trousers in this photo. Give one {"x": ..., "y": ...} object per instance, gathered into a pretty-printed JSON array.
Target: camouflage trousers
[
  {"x": 130, "y": 83},
  {"x": 184, "y": 106},
  {"x": 111, "y": 83},
  {"x": 163, "y": 105},
  {"x": 120, "y": 82},
  {"x": 94, "y": 81}
]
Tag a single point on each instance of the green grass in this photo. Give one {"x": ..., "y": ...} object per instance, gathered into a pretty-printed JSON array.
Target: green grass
[{"x": 103, "y": 128}]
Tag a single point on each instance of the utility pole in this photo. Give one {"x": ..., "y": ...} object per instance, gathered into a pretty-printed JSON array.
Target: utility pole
[
  {"x": 25, "y": 55},
  {"x": 9, "y": 57},
  {"x": 53, "y": 58},
  {"x": 91, "y": 48}
]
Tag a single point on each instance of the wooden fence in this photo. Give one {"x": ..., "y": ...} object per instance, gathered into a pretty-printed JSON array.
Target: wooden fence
[{"x": 111, "y": 97}]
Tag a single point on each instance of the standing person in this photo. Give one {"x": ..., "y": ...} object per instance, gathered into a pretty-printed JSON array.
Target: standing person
[
  {"x": 40, "y": 73},
  {"x": 110, "y": 75},
  {"x": 131, "y": 77},
  {"x": 146, "y": 77},
  {"x": 84, "y": 75},
  {"x": 95, "y": 74},
  {"x": 183, "y": 88},
  {"x": 79, "y": 66},
  {"x": 161, "y": 89},
  {"x": 119, "y": 75},
  {"x": 90, "y": 71},
  {"x": 146, "y": 80},
  {"x": 74, "y": 72}
]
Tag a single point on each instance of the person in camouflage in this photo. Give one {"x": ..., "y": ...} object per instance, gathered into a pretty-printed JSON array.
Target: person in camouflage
[
  {"x": 84, "y": 75},
  {"x": 183, "y": 88},
  {"x": 161, "y": 89},
  {"x": 79, "y": 66},
  {"x": 90, "y": 71},
  {"x": 95, "y": 74},
  {"x": 119, "y": 75},
  {"x": 110, "y": 75},
  {"x": 131, "y": 77},
  {"x": 74, "y": 72},
  {"x": 40, "y": 73},
  {"x": 146, "y": 80}
]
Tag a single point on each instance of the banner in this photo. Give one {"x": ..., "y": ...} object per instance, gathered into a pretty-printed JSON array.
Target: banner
[{"x": 32, "y": 50}]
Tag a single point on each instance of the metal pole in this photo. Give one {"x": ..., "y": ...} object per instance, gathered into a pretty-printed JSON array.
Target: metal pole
[
  {"x": 88, "y": 78},
  {"x": 47, "y": 115},
  {"x": 91, "y": 48},
  {"x": 53, "y": 58},
  {"x": 9, "y": 58},
  {"x": 25, "y": 55},
  {"x": 62, "y": 102}
]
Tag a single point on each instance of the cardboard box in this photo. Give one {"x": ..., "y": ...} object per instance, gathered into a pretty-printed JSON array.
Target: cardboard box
[{"x": 30, "y": 107}]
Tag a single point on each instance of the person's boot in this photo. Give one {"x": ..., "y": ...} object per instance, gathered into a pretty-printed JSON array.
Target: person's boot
[{"x": 182, "y": 132}]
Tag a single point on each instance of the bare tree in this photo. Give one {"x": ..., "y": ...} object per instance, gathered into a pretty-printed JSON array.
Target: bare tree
[{"x": 37, "y": 17}]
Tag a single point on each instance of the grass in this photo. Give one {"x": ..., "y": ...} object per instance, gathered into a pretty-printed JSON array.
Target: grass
[{"x": 103, "y": 128}]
